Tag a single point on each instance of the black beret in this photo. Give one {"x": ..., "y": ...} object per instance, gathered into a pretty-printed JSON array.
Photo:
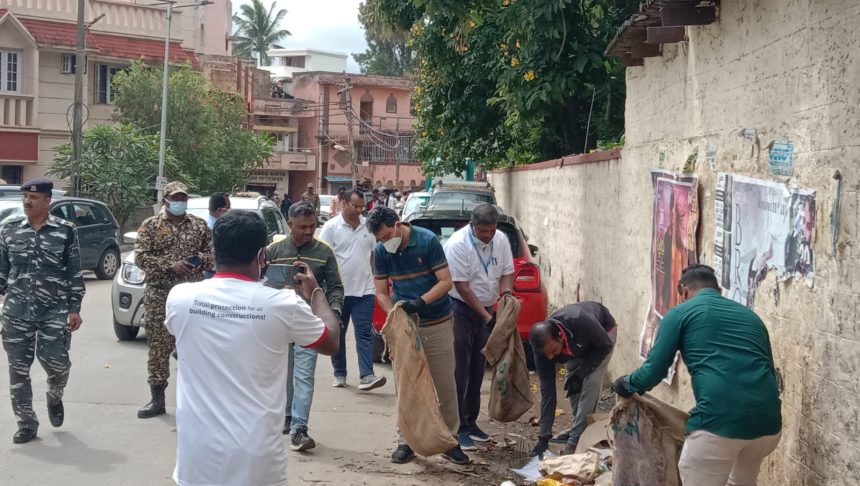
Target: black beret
[{"x": 37, "y": 185}]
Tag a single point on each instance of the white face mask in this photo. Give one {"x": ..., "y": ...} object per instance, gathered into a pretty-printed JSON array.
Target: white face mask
[{"x": 393, "y": 244}]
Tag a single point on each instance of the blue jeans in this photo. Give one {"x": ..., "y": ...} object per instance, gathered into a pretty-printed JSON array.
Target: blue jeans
[
  {"x": 361, "y": 311},
  {"x": 300, "y": 386}
]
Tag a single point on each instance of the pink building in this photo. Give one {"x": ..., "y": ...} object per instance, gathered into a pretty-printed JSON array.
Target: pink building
[{"x": 381, "y": 130}]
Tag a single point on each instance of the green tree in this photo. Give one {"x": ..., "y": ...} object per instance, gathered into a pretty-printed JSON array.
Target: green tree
[
  {"x": 204, "y": 125},
  {"x": 511, "y": 81},
  {"x": 259, "y": 31},
  {"x": 118, "y": 165},
  {"x": 388, "y": 52}
]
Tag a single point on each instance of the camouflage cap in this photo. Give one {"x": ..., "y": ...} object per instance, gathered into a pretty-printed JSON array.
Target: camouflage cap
[
  {"x": 37, "y": 185},
  {"x": 175, "y": 187},
  {"x": 310, "y": 184}
]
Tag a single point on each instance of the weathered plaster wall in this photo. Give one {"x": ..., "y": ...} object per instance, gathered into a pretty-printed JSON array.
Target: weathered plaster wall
[{"x": 789, "y": 69}]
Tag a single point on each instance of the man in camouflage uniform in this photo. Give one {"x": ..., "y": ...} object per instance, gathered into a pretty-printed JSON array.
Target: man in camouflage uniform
[
  {"x": 310, "y": 196},
  {"x": 172, "y": 247},
  {"x": 40, "y": 276}
]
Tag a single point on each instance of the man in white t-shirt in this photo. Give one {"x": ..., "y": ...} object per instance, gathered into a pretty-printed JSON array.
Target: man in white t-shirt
[
  {"x": 482, "y": 266},
  {"x": 232, "y": 336},
  {"x": 353, "y": 244}
]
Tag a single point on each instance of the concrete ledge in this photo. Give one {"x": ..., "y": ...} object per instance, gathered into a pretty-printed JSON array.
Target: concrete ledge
[{"x": 589, "y": 158}]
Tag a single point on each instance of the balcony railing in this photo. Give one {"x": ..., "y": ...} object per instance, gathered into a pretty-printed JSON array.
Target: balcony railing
[{"x": 17, "y": 111}]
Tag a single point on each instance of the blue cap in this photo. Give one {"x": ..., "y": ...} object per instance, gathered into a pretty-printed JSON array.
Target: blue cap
[{"x": 37, "y": 185}]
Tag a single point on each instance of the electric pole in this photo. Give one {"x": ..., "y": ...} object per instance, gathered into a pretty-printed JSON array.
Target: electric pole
[
  {"x": 346, "y": 105},
  {"x": 77, "y": 108}
]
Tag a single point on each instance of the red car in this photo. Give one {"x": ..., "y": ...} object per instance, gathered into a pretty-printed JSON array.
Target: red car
[{"x": 528, "y": 287}]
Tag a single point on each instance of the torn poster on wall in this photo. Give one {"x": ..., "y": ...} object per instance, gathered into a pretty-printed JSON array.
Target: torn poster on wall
[
  {"x": 761, "y": 226},
  {"x": 673, "y": 247}
]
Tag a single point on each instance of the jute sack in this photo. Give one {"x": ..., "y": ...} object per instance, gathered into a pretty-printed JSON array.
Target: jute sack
[
  {"x": 510, "y": 391},
  {"x": 418, "y": 417},
  {"x": 648, "y": 439}
]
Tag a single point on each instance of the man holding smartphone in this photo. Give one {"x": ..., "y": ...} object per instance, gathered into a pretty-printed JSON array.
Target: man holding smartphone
[
  {"x": 301, "y": 246},
  {"x": 172, "y": 247}
]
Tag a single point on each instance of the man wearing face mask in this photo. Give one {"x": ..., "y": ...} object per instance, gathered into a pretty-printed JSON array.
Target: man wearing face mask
[
  {"x": 580, "y": 336},
  {"x": 301, "y": 246},
  {"x": 413, "y": 259},
  {"x": 482, "y": 266},
  {"x": 172, "y": 247}
]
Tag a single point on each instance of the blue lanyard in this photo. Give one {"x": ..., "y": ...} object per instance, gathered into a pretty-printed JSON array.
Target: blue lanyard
[{"x": 484, "y": 263}]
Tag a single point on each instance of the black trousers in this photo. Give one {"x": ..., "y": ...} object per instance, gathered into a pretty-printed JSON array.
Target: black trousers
[{"x": 470, "y": 337}]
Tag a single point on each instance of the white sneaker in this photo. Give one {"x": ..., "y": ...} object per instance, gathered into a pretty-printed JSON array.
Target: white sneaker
[
  {"x": 370, "y": 382},
  {"x": 339, "y": 382}
]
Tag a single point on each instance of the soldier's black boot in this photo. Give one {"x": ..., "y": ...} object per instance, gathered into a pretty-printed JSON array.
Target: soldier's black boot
[
  {"x": 24, "y": 435},
  {"x": 56, "y": 413},
  {"x": 156, "y": 406}
]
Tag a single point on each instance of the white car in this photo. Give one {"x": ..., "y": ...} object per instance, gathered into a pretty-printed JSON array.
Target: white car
[
  {"x": 415, "y": 202},
  {"x": 325, "y": 207},
  {"x": 127, "y": 289}
]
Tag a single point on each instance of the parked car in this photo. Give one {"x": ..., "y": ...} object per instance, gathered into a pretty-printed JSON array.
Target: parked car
[
  {"x": 462, "y": 195},
  {"x": 415, "y": 202},
  {"x": 128, "y": 286},
  {"x": 325, "y": 207},
  {"x": 13, "y": 190},
  {"x": 98, "y": 230},
  {"x": 528, "y": 287}
]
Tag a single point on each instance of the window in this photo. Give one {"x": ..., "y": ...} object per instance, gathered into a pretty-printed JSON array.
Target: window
[
  {"x": 271, "y": 220},
  {"x": 391, "y": 104},
  {"x": 293, "y": 61},
  {"x": 102, "y": 214},
  {"x": 105, "y": 90},
  {"x": 68, "y": 62},
  {"x": 63, "y": 212},
  {"x": 12, "y": 174},
  {"x": 84, "y": 214},
  {"x": 10, "y": 71}
]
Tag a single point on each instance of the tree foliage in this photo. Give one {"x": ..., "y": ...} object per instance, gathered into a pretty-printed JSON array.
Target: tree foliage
[
  {"x": 118, "y": 165},
  {"x": 204, "y": 125},
  {"x": 259, "y": 30},
  {"x": 388, "y": 52},
  {"x": 511, "y": 81}
]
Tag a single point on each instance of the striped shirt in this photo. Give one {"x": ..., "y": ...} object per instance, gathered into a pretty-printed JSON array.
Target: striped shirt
[
  {"x": 319, "y": 257},
  {"x": 413, "y": 272}
]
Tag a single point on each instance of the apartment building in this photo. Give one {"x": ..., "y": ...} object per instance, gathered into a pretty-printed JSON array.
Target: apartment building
[
  {"x": 37, "y": 64},
  {"x": 284, "y": 63},
  {"x": 381, "y": 130}
]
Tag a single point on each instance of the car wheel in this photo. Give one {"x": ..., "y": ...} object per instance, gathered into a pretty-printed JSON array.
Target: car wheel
[
  {"x": 108, "y": 264},
  {"x": 123, "y": 332}
]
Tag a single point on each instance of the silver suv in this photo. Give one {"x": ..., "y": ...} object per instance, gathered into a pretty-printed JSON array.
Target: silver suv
[{"x": 127, "y": 290}]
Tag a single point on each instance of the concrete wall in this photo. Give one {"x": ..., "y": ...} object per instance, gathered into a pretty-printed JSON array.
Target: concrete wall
[{"x": 791, "y": 71}]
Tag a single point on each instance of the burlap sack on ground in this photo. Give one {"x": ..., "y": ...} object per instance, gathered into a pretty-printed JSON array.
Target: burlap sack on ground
[
  {"x": 418, "y": 417},
  {"x": 510, "y": 393},
  {"x": 648, "y": 439},
  {"x": 583, "y": 467}
]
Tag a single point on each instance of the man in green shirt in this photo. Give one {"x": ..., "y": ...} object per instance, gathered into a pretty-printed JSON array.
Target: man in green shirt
[{"x": 737, "y": 419}]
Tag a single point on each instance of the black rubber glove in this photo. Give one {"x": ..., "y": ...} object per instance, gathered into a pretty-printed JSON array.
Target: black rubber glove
[
  {"x": 508, "y": 292},
  {"x": 573, "y": 382},
  {"x": 413, "y": 306},
  {"x": 541, "y": 446},
  {"x": 620, "y": 387}
]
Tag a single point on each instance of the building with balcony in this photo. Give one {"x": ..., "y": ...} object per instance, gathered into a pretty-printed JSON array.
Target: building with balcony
[
  {"x": 37, "y": 66},
  {"x": 363, "y": 119},
  {"x": 284, "y": 63}
]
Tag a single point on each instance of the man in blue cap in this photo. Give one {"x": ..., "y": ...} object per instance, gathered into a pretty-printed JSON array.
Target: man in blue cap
[{"x": 40, "y": 277}]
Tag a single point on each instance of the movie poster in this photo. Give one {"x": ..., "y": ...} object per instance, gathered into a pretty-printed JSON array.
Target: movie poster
[
  {"x": 762, "y": 226},
  {"x": 673, "y": 247}
]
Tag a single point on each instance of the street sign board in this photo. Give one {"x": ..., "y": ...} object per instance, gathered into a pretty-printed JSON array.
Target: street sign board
[{"x": 160, "y": 183}]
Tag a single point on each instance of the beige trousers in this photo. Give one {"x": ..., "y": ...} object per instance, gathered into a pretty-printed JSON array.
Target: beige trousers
[
  {"x": 438, "y": 342},
  {"x": 710, "y": 460}
]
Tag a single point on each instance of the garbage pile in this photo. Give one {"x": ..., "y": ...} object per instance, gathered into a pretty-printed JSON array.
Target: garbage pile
[{"x": 638, "y": 443}]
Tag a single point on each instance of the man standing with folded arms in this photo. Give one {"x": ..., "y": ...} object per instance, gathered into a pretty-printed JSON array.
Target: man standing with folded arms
[
  {"x": 353, "y": 244},
  {"x": 481, "y": 265},
  {"x": 415, "y": 262}
]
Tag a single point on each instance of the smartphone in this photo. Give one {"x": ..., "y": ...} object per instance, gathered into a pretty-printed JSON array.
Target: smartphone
[
  {"x": 280, "y": 276},
  {"x": 194, "y": 261}
]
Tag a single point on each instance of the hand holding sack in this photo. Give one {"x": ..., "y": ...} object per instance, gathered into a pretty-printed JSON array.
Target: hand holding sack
[{"x": 510, "y": 391}]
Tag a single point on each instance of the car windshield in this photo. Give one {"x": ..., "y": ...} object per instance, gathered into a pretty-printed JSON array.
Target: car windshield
[
  {"x": 414, "y": 203},
  {"x": 325, "y": 200},
  {"x": 445, "y": 228},
  {"x": 471, "y": 197}
]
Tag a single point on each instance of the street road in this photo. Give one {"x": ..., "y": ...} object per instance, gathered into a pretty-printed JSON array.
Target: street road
[{"x": 104, "y": 443}]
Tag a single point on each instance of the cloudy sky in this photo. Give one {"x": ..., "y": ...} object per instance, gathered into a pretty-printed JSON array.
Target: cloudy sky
[{"x": 329, "y": 25}]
